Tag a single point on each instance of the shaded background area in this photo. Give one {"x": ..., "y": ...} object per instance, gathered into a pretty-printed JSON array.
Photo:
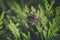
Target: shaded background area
[{"x": 29, "y": 3}]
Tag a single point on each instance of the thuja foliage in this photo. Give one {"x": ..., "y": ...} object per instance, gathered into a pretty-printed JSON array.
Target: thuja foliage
[{"x": 14, "y": 26}]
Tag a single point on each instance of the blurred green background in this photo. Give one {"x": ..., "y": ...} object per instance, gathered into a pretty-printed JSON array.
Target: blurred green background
[{"x": 14, "y": 20}]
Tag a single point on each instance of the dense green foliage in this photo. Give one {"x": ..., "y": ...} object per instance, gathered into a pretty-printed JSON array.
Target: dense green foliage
[{"x": 13, "y": 20}]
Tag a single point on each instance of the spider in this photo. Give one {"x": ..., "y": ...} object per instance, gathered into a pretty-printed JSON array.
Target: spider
[{"x": 33, "y": 19}]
